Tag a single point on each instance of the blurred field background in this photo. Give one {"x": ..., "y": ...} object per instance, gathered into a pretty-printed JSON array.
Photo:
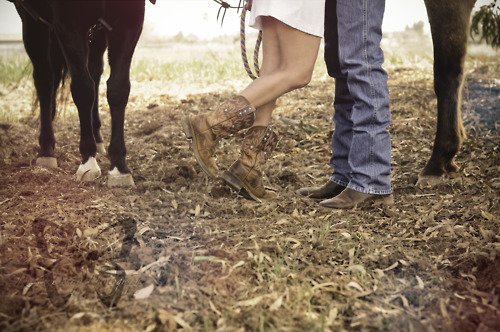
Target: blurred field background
[{"x": 183, "y": 65}]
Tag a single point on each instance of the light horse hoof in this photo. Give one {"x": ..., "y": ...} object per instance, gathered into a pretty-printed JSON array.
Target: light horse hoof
[
  {"x": 101, "y": 149},
  {"x": 47, "y": 162},
  {"x": 88, "y": 171},
  {"x": 117, "y": 179}
]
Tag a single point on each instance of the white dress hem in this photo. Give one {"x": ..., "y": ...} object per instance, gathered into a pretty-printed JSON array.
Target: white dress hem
[
  {"x": 303, "y": 26},
  {"x": 305, "y": 15}
]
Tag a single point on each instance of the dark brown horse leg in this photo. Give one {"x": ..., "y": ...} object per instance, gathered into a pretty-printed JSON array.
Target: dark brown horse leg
[
  {"x": 449, "y": 26},
  {"x": 96, "y": 65},
  {"x": 121, "y": 46},
  {"x": 36, "y": 38},
  {"x": 57, "y": 66},
  {"x": 74, "y": 46}
]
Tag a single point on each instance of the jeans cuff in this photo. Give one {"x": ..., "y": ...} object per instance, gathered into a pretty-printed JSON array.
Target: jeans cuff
[
  {"x": 369, "y": 190},
  {"x": 338, "y": 181}
]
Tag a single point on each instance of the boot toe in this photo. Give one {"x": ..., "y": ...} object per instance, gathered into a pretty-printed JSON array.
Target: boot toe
[
  {"x": 307, "y": 191},
  {"x": 350, "y": 199},
  {"x": 336, "y": 203},
  {"x": 268, "y": 195},
  {"x": 328, "y": 190}
]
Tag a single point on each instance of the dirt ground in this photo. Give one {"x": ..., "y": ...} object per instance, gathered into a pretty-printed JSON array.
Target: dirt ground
[{"x": 180, "y": 251}]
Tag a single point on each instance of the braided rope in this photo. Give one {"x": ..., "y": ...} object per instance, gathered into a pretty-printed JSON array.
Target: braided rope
[
  {"x": 256, "y": 53},
  {"x": 244, "y": 48}
]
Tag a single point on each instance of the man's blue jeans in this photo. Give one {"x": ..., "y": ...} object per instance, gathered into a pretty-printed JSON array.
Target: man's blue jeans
[{"x": 361, "y": 144}]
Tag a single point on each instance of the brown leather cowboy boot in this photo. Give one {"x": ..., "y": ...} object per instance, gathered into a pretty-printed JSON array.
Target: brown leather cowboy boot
[
  {"x": 208, "y": 128},
  {"x": 328, "y": 190},
  {"x": 349, "y": 199},
  {"x": 245, "y": 175}
]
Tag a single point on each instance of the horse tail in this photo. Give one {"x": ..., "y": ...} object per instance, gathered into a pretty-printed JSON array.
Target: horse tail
[{"x": 61, "y": 72}]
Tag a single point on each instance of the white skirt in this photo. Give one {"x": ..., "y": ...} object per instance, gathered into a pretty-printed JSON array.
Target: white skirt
[{"x": 304, "y": 15}]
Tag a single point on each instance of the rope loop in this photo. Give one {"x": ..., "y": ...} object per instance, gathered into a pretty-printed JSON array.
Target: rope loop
[{"x": 258, "y": 43}]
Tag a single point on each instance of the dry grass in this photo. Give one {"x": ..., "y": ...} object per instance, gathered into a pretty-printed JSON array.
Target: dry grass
[{"x": 220, "y": 263}]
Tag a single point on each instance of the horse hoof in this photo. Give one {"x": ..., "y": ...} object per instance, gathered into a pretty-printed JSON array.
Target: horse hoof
[
  {"x": 88, "y": 171},
  {"x": 47, "y": 162},
  {"x": 429, "y": 181},
  {"x": 117, "y": 179},
  {"x": 101, "y": 149}
]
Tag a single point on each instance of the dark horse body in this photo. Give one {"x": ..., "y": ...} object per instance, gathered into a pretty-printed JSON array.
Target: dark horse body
[
  {"x": 66, "y": 43},
  {"x": 56, "y": 37}
]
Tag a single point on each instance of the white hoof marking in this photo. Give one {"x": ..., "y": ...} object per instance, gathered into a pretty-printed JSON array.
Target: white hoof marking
[
  {"x": 88, "y": 171},
  {"x": 101, "y": 149},
  {"x": 48, "y": 162},
  {"x": 117, "y": 179}
]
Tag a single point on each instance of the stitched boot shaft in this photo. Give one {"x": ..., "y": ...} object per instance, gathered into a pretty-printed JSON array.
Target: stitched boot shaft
[
  {"x": 246, "y": 173},
  {"x": 207, "y": 129},
  {"x": 231, "y": 116}
]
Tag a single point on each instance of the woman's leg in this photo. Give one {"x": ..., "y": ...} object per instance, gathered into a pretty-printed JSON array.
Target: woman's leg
[
  {"x": 290, "y": 58},
  {"x": 270, "y": 63},
  {"x": 289, "y": 62},
  {"x": 298, "y": 52}
]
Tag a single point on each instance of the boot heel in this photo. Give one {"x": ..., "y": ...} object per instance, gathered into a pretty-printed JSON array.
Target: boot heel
[
  {"x": 186, "y": 127},
  {"x": 239, "y": 186},
  {"x": 232, "y": 181}
]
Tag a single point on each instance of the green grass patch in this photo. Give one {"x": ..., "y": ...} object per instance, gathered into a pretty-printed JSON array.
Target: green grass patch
[
  {"x": 14, "y": 67},
  {"x": 194, "y": 71}
]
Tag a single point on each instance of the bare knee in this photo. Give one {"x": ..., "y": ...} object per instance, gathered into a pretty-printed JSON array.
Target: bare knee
[
  {"x": 303, "y": 79},
  {"x": 296, "y": 79}
]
